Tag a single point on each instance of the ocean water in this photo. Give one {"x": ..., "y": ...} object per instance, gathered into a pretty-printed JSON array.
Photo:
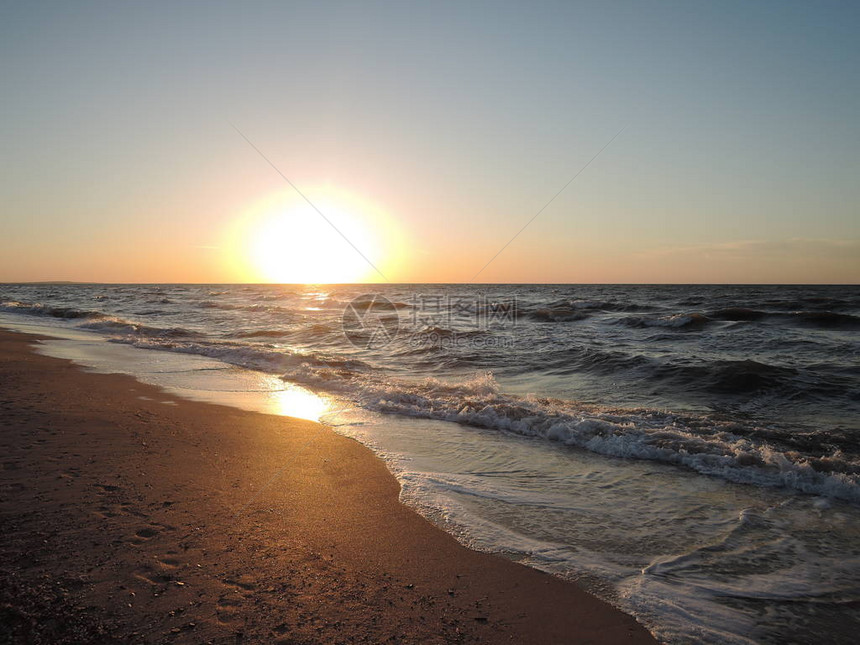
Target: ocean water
[{"x": 689, "y": 453}]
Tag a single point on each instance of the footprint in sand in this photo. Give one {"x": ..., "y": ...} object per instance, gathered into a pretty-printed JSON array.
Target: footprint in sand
[
  {"x": 169, "y": 563},
  {"x": 225, "y": 610},
  {"x": 147, "y": 575},
  {"x": 281, "y": 633},
  {"x": 103, "y": 513},
  {"x": 243, "y": 582},
  {"x": 151, "y": 576},
  {"x": 106, "y": 511},
  {"x": 149, "y": 531},
  {"x": 128, "y": 509},
  {"x": 144, "y": 534}
]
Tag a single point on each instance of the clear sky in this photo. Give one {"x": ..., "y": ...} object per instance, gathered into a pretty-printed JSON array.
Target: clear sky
[{"x": 430, "y": 133}]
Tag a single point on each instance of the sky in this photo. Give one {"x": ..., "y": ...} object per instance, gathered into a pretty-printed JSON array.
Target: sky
[{"x": 426, "y": 135}]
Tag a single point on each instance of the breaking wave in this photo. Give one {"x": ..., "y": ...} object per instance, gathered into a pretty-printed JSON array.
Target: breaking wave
[{"x": 705, "y": 445}]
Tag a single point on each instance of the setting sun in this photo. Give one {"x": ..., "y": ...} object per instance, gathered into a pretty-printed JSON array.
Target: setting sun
[
  {"x": 299, "y": 246},
  {"x": 285, "y": 240}
]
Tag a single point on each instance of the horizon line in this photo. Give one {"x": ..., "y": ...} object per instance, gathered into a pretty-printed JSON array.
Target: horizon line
[{"x": 464, "y": 283}]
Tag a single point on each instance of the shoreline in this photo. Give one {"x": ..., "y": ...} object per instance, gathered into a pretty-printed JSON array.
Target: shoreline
[{"x": 135, "y": 515}]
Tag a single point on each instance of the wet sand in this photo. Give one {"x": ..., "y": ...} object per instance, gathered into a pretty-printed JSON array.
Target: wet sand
[{"x": 131, "y": 515}]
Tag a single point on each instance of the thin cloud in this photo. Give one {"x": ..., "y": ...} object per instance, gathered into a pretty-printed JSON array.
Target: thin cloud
[{"x": 740, "y": 248}]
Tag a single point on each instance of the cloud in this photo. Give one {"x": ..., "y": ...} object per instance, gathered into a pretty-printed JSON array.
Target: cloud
[{"x": 747, "y": 248}]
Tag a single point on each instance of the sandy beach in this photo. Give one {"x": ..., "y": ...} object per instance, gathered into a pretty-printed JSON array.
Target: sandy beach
[{"x": 130, "y": 515}]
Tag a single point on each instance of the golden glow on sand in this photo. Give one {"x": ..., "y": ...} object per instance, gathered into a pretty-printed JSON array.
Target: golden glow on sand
[
  {"x": 284, "y": 240},
  {"x": 298, "y": 402}
]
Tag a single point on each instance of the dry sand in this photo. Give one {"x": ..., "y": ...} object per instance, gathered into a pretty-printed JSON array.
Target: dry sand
[{"x": 162, "y": 520}]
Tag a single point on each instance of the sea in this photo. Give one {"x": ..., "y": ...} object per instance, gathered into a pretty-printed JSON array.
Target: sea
[{"x": 689, "y": 453}]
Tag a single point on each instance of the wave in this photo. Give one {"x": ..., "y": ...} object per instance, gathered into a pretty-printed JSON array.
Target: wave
[
  {"x": 212, "y": 304},
  {"x": 707, "y": 446},
  {"x": 39, "y": 309},
  {"x": 317, "y": 331},
  {"x": 704, "y": 445},
  {"x": 675, "y": 321},
  {"x": 377, "y": 304},
  {"x": 579, "y": 358},
  {"x": 261, "y": 357},
  {"x": 444, "y": 332},
  {"x": 826, "y": 319},
  {"x": 728, "y": 377},
  {"x": 586, "y": 307},
  {"x": 114, "y": 325},
  {"x": 737, "y": 314},
  {"x": 97, "y": 320},
  {"x": 810, "y": 302},
  {"x": 263, "y": 333},
  {"x": 777, "y": 562},
  {"x": 256, "y": 308},
  {"x": 226, "y": 306},
  {"x": 558, "y": 314},
  {"x": 821, "y": 319},
  {"x": 567, "y": 310}
]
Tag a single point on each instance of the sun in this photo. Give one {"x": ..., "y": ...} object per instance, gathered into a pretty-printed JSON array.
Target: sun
[
  {"x": 298, "y": 245},
  {"x": 285, "y": 240}
]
